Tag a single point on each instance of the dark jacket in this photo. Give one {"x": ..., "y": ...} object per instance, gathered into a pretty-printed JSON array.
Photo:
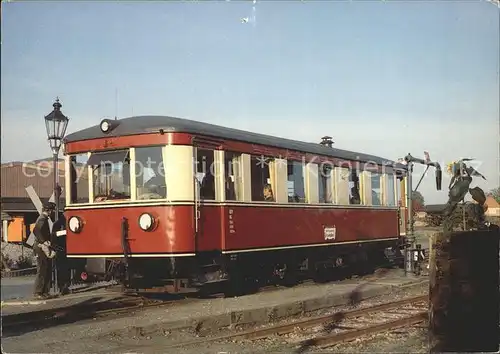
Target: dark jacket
[
  {"x": 42, "y": 229},
  {"x": 59, "y": 225}
]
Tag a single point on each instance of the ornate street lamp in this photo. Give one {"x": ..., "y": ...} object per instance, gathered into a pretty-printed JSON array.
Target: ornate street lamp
[{"x": 56, "y": 123}]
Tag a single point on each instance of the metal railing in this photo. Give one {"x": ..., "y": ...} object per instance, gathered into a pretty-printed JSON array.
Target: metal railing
[{"x": 19, "y": 272}]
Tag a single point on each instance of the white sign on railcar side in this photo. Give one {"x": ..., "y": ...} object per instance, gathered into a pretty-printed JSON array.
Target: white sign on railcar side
[{"x": 330, "y": 232}]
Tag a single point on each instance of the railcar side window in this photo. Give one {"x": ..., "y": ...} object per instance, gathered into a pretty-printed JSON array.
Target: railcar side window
[
  {"x": 376, "y": 188},
  {"x": 325, "y": 183},
  {"x": 263, "y": 184},
  {"x": 342, "y": 192},
  {"x": 205, "y": 173},
  {"x": 150, "y": 173},
  {"x": 390, "y": 196},
  {"x": 232, "y": 175},
  {"x": 354, "y": 195},
  {"x": 111, "y": 175},
  {"x": 401, "y": 192},
  {"x": 296, "y": 183},
  {"x": 79, "y": 178}
]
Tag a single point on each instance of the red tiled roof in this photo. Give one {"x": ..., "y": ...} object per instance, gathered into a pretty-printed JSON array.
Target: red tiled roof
[{"x": 491, "y": 202}]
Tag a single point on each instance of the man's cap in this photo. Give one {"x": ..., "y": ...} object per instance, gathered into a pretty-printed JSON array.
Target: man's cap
[
  {"x": 49, "y": 206},
  {"x": 478, "y": 195}
]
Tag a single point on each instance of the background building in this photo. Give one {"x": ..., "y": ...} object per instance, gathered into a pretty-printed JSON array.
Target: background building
[
  {"x": 493, "y": 207},
  {"x": 18, "y": 211}
]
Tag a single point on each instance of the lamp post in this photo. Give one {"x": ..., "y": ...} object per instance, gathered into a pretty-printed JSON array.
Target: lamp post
[{"x": 56, "y": 123}]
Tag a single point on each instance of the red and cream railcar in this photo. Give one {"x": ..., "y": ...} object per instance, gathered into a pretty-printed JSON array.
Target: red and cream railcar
[{"x": 179, "y": 199}]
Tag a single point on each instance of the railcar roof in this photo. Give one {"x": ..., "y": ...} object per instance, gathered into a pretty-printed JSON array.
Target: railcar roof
[{"x": 152, "y": 124}]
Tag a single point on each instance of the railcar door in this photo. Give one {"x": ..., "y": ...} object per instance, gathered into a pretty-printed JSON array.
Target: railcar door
[
  {"x": 207, "y": 218},
  {"x": 197, "y": 210},
  {"x": 197, "y": 180}
]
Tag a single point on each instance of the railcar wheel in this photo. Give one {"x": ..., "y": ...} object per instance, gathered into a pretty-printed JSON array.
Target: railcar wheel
[
  {"x": 322, "y": 274},
  {"x": 290, "y": 277}
]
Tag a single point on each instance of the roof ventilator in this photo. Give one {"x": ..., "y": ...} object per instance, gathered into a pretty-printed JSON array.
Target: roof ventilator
[{"x": 327, "y": 141}]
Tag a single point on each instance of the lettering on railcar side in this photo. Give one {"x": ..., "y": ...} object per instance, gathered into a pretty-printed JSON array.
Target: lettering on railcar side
[{"x": 231, "y": 221}]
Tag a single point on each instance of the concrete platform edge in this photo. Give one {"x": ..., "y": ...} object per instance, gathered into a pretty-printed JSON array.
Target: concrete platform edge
[{"x": 258, "y": 316}]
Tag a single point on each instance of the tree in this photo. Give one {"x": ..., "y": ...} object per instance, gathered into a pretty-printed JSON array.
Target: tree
[
  {"x": 417, "y": 204},
  {"x": 418, "y": 200},
  {"x": 495, "y": 193}
]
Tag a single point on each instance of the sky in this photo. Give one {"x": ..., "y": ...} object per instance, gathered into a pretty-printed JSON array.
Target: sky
[{"x": 384, "y": 78}]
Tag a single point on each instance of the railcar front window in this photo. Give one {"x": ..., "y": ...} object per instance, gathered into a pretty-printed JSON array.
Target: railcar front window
[
  {"x": 150, "y": 173},
  {"x": 232, "y": 175},
  {"x": 79, "y": 178},
  {"x": 111, "y": 175},
  {"x": 296, "y": 188},
  {"x": 376, "y": 188},
  {"x": 325, "y": 184}
]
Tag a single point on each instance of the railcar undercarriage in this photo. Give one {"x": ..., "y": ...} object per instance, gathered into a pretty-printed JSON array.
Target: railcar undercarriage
[{"x": 238, "y": 273}]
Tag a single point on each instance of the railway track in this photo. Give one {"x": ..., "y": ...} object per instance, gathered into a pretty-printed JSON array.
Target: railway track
[
  {"x": 328, "y": 330},
  {"x": 368, "y": 321},
  {"x": 122, "y": 306}
]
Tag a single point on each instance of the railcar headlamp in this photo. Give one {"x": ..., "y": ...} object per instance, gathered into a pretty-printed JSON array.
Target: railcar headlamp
[
  {"x": 107, "y": 125},
  {"x": 146, "y": 222},
  {"x": 75, "y": 224}
]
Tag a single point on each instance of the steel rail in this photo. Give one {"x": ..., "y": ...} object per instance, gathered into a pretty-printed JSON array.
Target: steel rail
[
  {"x": 287, "y": 328},
  {"x": 337, "y": 338}
]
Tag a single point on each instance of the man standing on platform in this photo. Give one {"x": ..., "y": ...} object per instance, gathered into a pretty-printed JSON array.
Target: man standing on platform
[{"x": 43, "y": 251}]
